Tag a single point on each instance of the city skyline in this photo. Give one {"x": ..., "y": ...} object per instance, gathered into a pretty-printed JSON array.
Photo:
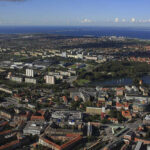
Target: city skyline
[{"x": 74, "y": 12}]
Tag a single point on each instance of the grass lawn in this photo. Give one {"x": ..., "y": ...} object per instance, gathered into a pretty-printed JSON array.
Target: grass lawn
[
  {"x": 82, "y": 81},
  {"x": 73, "y": 66}
]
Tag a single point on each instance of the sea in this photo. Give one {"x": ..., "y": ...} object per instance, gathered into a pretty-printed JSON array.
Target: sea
[{"x": 128, "y": 32}]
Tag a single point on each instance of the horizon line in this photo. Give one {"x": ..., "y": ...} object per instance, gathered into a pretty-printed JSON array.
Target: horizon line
[{"x": 74, "y": 26}]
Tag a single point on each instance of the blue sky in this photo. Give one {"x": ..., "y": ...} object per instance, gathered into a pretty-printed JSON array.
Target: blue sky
[{"x": 75, "y": 12}]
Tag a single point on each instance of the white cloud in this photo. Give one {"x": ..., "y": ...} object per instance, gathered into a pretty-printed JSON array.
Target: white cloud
[
  {"x": 123, "y": 20},
  {"x": 86, "y": 21},
  {"x": 116, "y": 20},
  {"x": 133, "y": 20},
  {"x": 143, "y": 21}
]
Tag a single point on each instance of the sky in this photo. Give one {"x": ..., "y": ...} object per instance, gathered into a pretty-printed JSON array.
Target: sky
[{"x": 75, "y": 12}]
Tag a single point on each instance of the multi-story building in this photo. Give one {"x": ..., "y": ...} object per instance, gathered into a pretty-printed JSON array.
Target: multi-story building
[
  {"x": 17, "y": 79},
  {"x": 65, "y": 73},
  {"x": 64, "y": 54},
  {"x": 34, "y": 128},
  {"x": 50, "y": 79},
  {"x": 70, "y": 117},
  {"x": 30, "y": 80},
  {"x": 6, "y": 114},
  {"x": 6, "y": 90},
  {"x": 96, "y": 110},
  {"x": 71, "y": 142},
  {"x": 29, "y": 72}
]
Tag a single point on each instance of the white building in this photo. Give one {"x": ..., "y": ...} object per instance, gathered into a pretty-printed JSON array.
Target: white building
[
  {"x": 50, "y": 79},
  {"x": 80, "y": 56},
  {"x": 65, "y": 73},
  {"x": 17, "y": 79},
  {"x": 29, "y": 72},
  {"x": 89, "y": 129},
  {"x": 64, "y": 54},
  {"x": 147, "y": 117},
  {"x": 30, "y": 80},
  {"x": 70, "y": 117},
  {"x": 34, "y": 128},
  {"x": 91, "y": 58}
]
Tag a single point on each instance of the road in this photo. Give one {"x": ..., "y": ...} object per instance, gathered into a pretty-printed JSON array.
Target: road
[{"x": 131, "y": 127}]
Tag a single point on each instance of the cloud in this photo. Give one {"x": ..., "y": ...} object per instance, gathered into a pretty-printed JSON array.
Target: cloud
[
  {"x": 133, "y": 20},
  {"x": 86, "y": 21},
  {"x": 116, "y": 20},
  {"x": 144, "y": 21},
  {"x": 123, "y": 20}
]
